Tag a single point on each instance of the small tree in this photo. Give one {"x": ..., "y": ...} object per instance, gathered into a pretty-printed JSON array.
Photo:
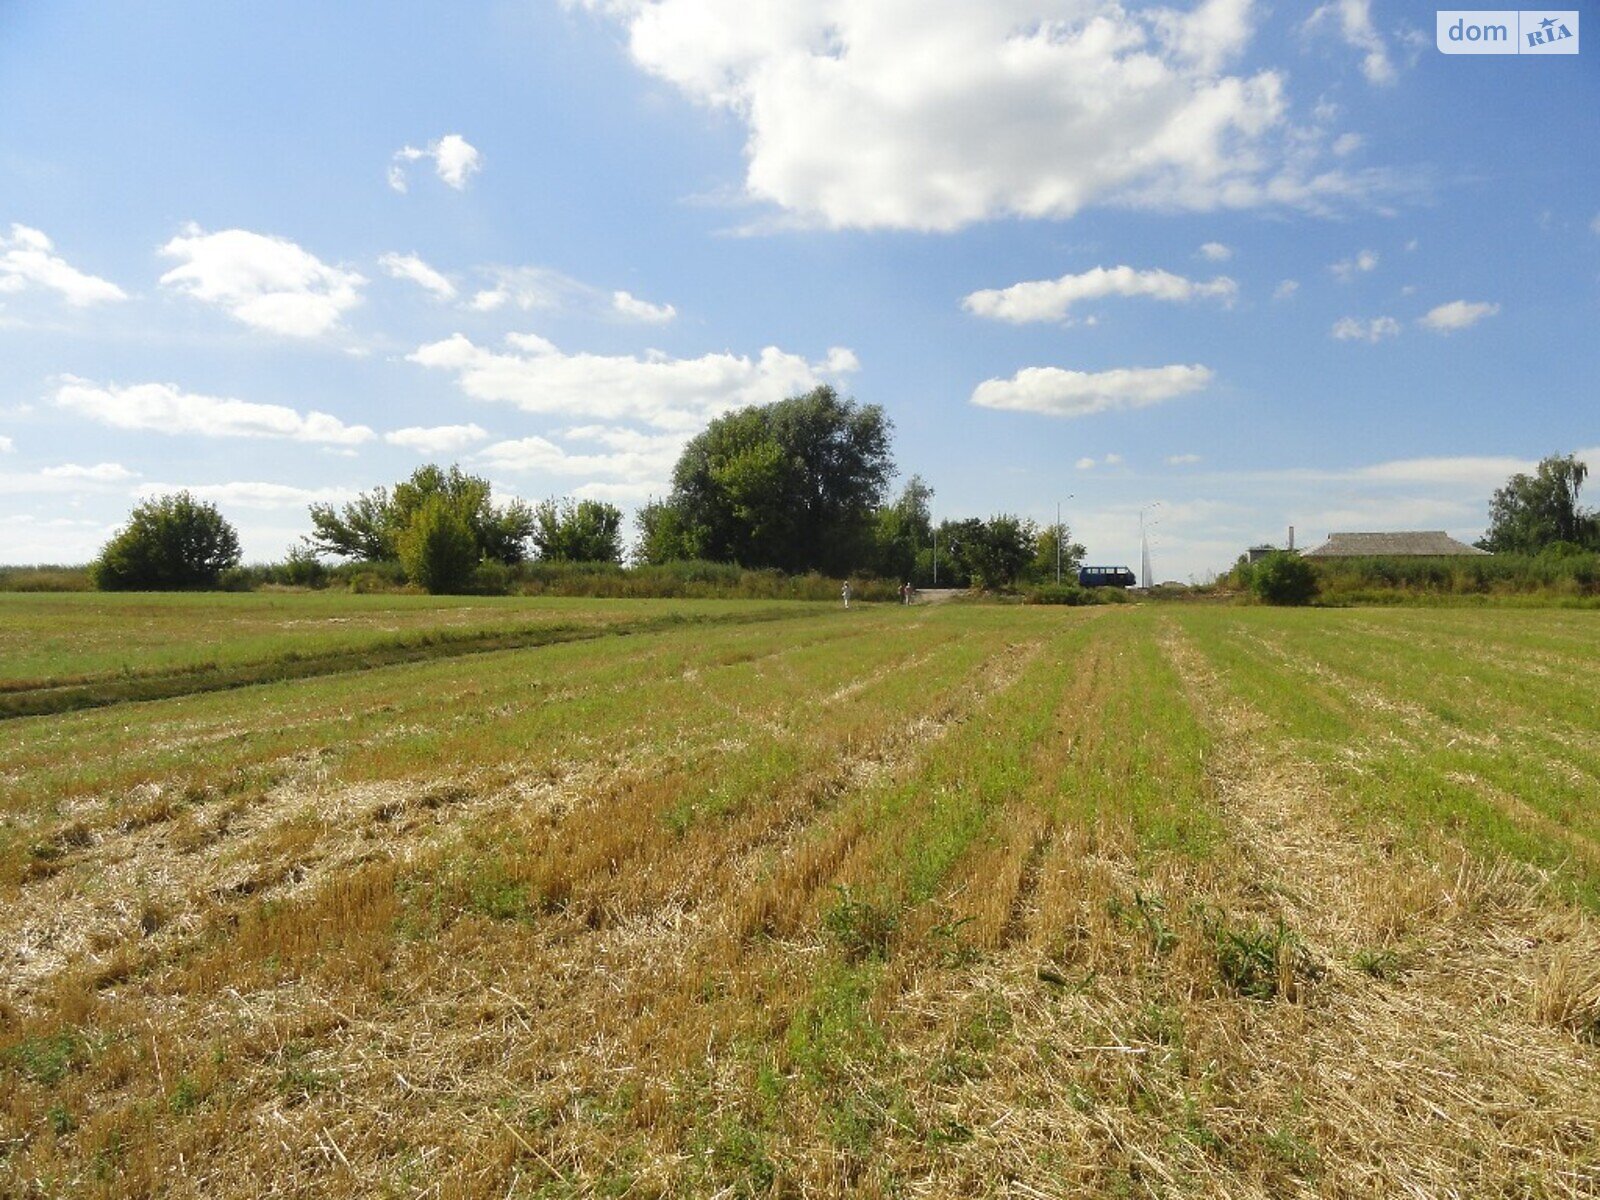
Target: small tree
[
  {"x": 1283, "y": 577},
  {"x": 1045, "y": 560},
  {"x": 437, "y": 549},
  {"x": 578, "y": 531},
  {"x": 170, "y": 542},
  {"x": 369, "y": 528},
  {"x": 664, "y": 534}
]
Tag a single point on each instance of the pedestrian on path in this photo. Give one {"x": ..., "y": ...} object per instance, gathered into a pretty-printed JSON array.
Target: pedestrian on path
[{"x": 845, "y": 592}]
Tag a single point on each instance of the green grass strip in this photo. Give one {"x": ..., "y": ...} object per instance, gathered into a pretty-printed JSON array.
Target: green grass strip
[{"x": 419, "y": 646}]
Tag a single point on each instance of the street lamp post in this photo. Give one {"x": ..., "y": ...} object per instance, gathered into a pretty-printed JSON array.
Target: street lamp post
[{"x": 1058, "y": 539}]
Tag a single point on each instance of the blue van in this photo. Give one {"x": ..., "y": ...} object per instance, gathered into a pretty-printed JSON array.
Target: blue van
[{"x": 1090, "y": 577}]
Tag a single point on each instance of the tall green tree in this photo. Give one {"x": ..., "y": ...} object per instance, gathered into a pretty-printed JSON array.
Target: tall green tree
[
  {"x": 169, "y": 542},
  {"x": 904, "y": 530},
  {"x": 578, "y": 531},
  {"x": 369, "y": 528},
  {"x": 1534, "y": 511},
  {"x": 791, "y": 485}
]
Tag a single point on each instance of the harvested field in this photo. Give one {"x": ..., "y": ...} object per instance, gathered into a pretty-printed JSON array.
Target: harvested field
[{"x": 943, "y": 901}]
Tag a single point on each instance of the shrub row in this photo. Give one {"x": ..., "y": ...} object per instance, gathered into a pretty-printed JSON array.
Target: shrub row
[{"x": 676, "y": 580}]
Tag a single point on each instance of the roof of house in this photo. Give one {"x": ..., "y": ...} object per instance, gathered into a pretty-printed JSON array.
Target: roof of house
[{"x": 1429, "y": 543}]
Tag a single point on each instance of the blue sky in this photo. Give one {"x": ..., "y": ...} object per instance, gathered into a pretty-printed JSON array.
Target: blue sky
[{"x": 1257, "y": 265}]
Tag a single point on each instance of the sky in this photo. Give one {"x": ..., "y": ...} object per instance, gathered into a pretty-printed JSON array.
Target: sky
[{"x": 1225, "y": 265}]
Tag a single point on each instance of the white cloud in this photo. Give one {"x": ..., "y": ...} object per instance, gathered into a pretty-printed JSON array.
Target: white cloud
[
  {"x": 455, "y": 160},
  {"x": 1347, "y": 144},
  {"x": 630, "y": 457},
  {"x": 1216, "y": 252},
  {"x": 931, "y": 116},
  {"x": 53, "y": 481},
  {"x": 1353, "y": 19},
  {"x": 1182, "y": 460},
  {"x": 656, "y": 390},
  {"x": 1347, "y": 269},
  {"x": 1089, "y": 462},
  {"x": 543, "y": 289},
  {"x": 252, "y": 495},
  {"x": 163, "y": 408},
  {"x": 26, "y": 259},
  {"x": 841, "y": 360},
  {"x": 29, "y": 538},
  {"x": 6, "y": 445},
  {"x": 269, "y": 283},
  {"x": 1352, "y": 329},
  {"x": 1478, "y": 471},
  {"x": 436, "y": 439},
  {"x": 1594, "y": 225},
  {"x": 1051, "y": 299},
  {"x": 1060, "y": 393},
  {"x": 101, "y": 472},
  {"x": 1286, "y": 289},
  {"x": 641, "y": 310},
  {"x": 1458, "y": 314},
  {"x": 411, "y": 267}
]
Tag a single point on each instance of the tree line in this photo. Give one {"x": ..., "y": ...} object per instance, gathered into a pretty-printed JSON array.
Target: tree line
[{"x": 798, "y": 486}]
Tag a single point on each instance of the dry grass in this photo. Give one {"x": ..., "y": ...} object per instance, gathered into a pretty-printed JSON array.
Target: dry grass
[{"x": 931, "y": 904}]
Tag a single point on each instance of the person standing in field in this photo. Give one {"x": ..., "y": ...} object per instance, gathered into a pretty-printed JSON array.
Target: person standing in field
[{"x": 845, "y": 592}]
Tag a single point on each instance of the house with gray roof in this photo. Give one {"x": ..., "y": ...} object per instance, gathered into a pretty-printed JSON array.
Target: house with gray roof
[{"x": 1433, "y": 543}]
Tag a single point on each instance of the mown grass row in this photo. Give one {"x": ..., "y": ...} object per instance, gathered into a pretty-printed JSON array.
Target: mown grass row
[
  {"x": 1483, "y": 732},
  {"x": 940, "y": 872}
]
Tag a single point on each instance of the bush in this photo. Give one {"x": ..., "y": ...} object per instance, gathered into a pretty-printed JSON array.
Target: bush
[
  {"x": 1060, "y": 593},
  {"x": 303, "y": 569},
  {"x": 237, "y": 579},
  {"x": 368, "y": 583},
  {"x": 491, "y": 578},
  {"x": 1549, "y": 575},
  {"x": 438, "y": 549},
  {"x": 169, "y": 543},
  {"x": 1284, "y": 578}
]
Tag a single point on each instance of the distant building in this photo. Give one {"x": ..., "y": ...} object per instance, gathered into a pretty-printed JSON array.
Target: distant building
[
  {"x": 1427, "y": 544},
  {"x": 1257, "y": 553}
]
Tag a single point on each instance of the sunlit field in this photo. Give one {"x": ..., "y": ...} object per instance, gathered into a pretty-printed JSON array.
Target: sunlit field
[
  {"x": 66, "y": 650},
  {"x": 745, "y": 899}
]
